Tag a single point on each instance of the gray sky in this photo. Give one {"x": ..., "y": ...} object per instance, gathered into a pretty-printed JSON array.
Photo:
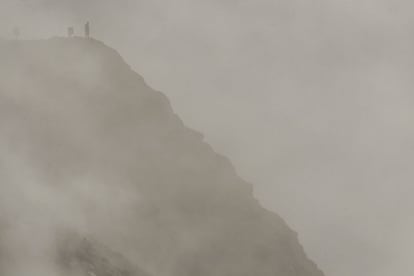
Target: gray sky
[{"x": 312, "y": 101}]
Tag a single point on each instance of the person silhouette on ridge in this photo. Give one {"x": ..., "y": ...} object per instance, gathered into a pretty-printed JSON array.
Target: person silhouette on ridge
[
  {"x": 16, "y": 33},
  {"x": 87, "y": 30},
  {"x": 71, "y": 32}
]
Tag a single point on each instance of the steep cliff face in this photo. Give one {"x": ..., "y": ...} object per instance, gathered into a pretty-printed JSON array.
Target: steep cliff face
[{"x": 88, "y": 150}]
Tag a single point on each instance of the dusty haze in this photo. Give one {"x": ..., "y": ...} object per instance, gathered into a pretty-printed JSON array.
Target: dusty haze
[
  {"x": 310, "y": 99},
  {"x": 101, "y": 177}
]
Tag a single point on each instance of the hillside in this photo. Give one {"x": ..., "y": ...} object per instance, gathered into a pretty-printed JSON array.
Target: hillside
[{"x": 99, "y": 176}]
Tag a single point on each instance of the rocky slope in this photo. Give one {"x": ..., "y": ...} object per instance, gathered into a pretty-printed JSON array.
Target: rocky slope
[{"x": 98, "y": 176}]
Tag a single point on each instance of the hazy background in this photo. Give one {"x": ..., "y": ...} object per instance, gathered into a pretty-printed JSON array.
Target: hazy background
[{"x": 312, "y": 101}]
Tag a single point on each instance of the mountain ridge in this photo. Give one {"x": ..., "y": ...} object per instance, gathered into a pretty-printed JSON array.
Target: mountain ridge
[{"x": 116, "y": 163}]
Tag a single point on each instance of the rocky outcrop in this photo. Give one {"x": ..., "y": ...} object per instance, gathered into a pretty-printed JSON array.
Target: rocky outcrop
[{"x": 89, "y": 148}]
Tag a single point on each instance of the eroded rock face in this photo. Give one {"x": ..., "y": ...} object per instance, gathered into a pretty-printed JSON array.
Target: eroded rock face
[
  {"x": 86, "y": 145},
  {"x": 81, "y": 256}
]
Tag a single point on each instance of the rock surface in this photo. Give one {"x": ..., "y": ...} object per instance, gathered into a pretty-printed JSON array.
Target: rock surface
[{"x": 98, "y": 176}]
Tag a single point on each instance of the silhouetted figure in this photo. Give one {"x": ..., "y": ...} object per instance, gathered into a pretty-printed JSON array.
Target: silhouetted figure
[
  {"x": 87, "y": 30},
  {"x": 16, "y": 32},
  {"x": 71, "y": 32}
]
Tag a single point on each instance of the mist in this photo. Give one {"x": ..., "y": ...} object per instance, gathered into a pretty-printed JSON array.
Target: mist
[{"x": 310, "y": 100}]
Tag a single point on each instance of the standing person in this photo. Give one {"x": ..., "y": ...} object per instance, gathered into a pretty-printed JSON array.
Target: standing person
[
  {"x": 87, "y": 30},
  {"x": 71, "y": 32},
  {"x": 16, "y": 32}
]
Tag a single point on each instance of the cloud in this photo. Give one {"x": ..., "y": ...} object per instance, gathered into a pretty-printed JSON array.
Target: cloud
[{"x": 310, "y": 99}]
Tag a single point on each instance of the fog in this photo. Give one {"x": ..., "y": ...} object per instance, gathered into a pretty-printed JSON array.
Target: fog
[{"x": 311, "y": 100}]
